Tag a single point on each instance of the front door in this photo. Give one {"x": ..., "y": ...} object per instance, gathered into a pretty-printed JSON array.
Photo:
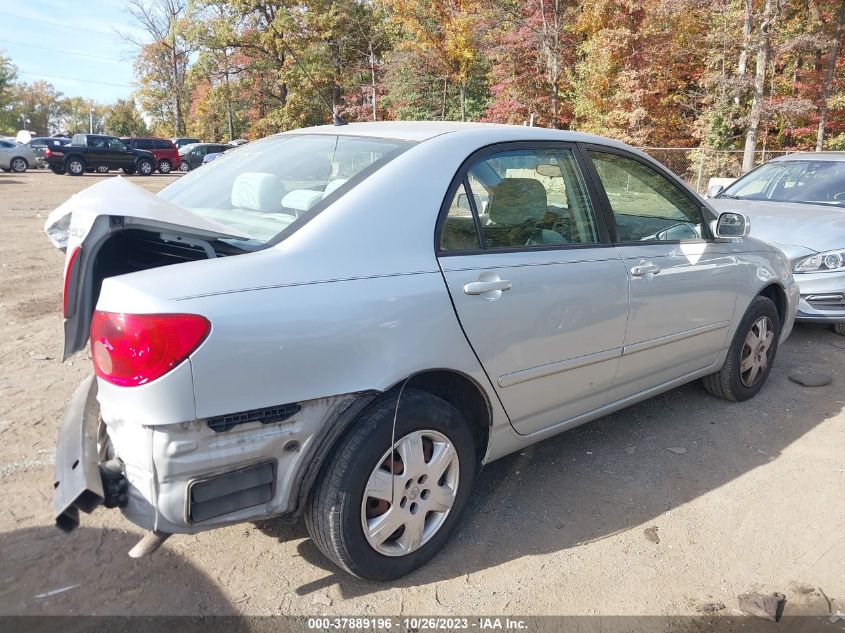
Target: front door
[
  {"x": 540, "y": 292},
  {"x": 682, "y": 283}
]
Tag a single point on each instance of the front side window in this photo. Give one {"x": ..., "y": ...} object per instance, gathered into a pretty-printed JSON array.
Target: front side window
[
  {"x": 529, "y": 198},
  {"x": 646, "y": 205},
  {"x": 810, "y": 181},
  {"x": 265, "y": 186},
  {"x": 115, "y": 143}
]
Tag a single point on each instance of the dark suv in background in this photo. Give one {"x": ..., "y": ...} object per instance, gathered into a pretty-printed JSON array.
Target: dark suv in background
[
  {"x": 98, "y": 152},
  {"x": 40, "y": 143},
  {"x": 193, "y": 155},
  {"x": 165, "y": 151}
]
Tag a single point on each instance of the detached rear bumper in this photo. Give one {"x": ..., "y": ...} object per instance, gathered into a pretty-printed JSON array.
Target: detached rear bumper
[{"x": 77, "y": 482}]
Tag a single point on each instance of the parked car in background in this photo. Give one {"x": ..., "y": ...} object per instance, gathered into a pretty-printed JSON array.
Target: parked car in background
[
  {"x": 238, "y": 141},
  {"x": 210, "y": 157},
  {"x": 192, "y": 155},
  {"x": 40, "y": 143},
  {"x": 797, "y": 202},
  {"x": 165, "y": 151},
  {"x": 98, "y": 152},
  {"x": 353, "y": 370},
  {"x": 17, "y": 157},
  {"x": 181, "y": 141}
]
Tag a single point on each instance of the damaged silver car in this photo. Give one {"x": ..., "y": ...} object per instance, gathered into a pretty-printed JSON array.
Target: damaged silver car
[{"x": 345, "y": 323}]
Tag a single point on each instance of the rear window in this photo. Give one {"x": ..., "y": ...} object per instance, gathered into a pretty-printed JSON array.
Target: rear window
[{"x": 280, "y": 182}]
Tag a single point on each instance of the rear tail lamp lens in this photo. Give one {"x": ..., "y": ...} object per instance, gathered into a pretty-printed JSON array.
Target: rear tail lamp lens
[{"x": 135, "y": 349}]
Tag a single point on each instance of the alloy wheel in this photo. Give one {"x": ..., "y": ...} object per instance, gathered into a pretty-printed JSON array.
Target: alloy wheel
[
  {"x": 75, "y": 167},
  {"x": 410, "y": 493},
  {"x": 756, "y": 351},
  {"x": 18, "y": 165}
]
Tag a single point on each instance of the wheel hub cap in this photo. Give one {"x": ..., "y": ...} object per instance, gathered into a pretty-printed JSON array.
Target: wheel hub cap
[
  {"x": 409, "y": 493},
  {"x": 756, "y": 351}
]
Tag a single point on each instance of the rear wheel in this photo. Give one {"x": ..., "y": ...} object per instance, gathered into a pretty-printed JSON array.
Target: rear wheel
[
  {"x": 18, "y": 165},
  {"x": 164, "y": 166},
  {"x": 128, "y": 170},
  {"x": 74, "y": 166},
  {"x": 145, "y": 167},
  {"x": 380, "y": 513},
  {"x": 57, "y": 170},
  {"x": 839, "y": 328},
  {"x": 751, "y": 354}
]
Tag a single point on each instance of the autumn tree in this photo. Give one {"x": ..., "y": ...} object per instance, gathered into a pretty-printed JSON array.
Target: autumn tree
[
  {"x": 38, "y": 105},
  {"x": 162, "y": 64},
  {"x": 8, "y": 75}
]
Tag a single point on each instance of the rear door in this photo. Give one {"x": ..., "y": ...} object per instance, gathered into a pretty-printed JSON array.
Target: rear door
[
  {"x": 682, "y": 283},
  {"x": 539, "y": 290}
]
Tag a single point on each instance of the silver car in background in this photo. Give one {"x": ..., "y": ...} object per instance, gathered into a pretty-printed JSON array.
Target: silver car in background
[
  {"x": 797, "y": 202},
  {"x": 345, "y": 323},
  {"x": 16, "y": 157}
]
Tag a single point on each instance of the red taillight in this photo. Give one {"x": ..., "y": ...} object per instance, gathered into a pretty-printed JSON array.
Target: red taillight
[
  {"x": 47, "y": 152},
  {"x": 134, "y": 349},
  {"x": 68, "y": 271}
]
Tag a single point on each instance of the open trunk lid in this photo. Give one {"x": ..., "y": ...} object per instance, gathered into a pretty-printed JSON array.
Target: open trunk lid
[{"x": 85, "y": 223}]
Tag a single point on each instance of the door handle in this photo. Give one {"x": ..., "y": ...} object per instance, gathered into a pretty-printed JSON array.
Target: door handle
[
  {"x": 480, "y": 287},
  {"x": 644, "y": 269}
]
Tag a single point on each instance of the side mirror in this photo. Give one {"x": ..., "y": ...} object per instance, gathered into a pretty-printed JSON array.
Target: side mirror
[
  {"x": 463, "y": 202},
  {"x": 731, "y": 225},
  {"x": 714, "y": 190}
]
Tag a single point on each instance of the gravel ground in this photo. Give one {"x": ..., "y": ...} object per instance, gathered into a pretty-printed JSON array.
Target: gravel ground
[{"x": 676, "y": 503}]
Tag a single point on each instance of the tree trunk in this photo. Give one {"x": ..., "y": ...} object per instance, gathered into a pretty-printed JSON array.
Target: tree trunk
[
  {"x": 443, "y": 112},
  {"x": 463, "y": 94},
  {"x": 229, "y": 116},
  {"x": 742, "y": 66},
  {"x": 755, "y": 116},
  {"x": 828, "y": 80},
  {"x": 373, "y": 82}
]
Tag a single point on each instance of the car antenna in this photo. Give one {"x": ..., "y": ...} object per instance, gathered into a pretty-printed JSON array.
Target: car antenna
[{"x": 336, "y": 118}]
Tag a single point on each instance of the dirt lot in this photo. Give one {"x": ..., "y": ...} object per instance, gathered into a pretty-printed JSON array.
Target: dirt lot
[{"x": 740, "y": 496}]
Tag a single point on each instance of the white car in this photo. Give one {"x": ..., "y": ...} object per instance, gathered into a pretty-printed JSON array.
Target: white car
[
  {"x": 16, "y": 157},
  {"x": 797, "y": 203},
  {"x": 344, "y": 323}
]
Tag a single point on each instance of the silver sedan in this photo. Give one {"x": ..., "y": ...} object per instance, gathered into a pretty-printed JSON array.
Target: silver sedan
[
  {"x": 16, "y": 157},
  {"x": 797, "y": 202},
  {"x": 345, "y": 323}
]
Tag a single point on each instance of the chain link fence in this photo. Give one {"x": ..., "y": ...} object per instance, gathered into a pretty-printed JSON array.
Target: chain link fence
[{"x": 698, "y": 165}]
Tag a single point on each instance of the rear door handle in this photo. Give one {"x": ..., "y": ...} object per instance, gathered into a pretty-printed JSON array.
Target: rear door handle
[
  {"x": 480, "y": 287},
  {"x": 644, "y": 269}
]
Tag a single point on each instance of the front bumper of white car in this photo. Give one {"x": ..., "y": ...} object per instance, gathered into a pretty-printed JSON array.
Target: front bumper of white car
[
  {"x": 822, "y": 297},
  {"x": 191, "y": 476}
]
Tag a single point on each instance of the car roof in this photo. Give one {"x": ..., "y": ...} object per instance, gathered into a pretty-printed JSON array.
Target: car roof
[
  {"x": 425, "y": 130},
  {"x": 831, "y": 156}
]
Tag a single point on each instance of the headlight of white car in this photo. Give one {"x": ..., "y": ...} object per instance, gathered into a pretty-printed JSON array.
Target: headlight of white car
[{"x": 821, "y": 262}]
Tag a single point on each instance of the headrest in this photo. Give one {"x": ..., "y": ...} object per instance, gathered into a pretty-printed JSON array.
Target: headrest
[
  {"x": 257, "y": 191},
  {"x": 515, "y": 200},
  {"x": 333, "y": 184}
]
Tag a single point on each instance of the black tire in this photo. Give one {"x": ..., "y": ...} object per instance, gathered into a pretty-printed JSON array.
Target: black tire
[
  {"x": 75, "y": 166},
  {"x": 145, "y": 167},
  {"x": 333, "y": 514},
  {"x": 165, "y": 166},
  {"x": 18, "y": 165},
  {"x": 128, "y": 170},
  {"x": 728, "y": 383},
  {"x": 102, "y": 169},
  {"x": 57, "y": 170},
  {"x": 839, "y": 328},
  {"x": 184, "y": 166}
]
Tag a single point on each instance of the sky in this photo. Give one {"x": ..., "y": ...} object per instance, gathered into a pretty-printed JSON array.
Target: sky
[{"x": 72, "y": 44}]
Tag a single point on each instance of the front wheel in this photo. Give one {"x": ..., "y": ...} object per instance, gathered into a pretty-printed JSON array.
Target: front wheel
[
  {"x": 128, "y": 170},
  {"x": 102, "y": 169},
  {"x": 164, "y": 166},
  {"x": 839, "y": 328},
  {"x": 57, "y": 170},
  {"x": 145, "y": 167},
  {"x": 184, "y": 166},
  {"x": 751, "y": 354},
  {"x": 380, "y": 511}
]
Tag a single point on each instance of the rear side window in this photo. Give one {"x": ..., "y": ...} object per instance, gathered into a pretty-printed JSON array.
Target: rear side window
[
  {"x": 531, "y": 198},
  {"x": 646, "y": 205},
  {"x": 161, "y": 144}
]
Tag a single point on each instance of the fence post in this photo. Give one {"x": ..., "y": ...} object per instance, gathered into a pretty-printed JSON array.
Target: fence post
[{"x": 700, "y": 170}]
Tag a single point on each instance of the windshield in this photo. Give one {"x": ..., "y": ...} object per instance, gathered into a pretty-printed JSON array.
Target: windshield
[
  {"x": 268, "y": 185},
  {"x": 809, "y": 181}
]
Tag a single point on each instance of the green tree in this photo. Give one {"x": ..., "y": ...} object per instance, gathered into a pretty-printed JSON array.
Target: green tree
[
  {"x": 124, "y": 119},
  {"x": 8, "y": 74},
  {"x": 37, "y": 106},
  {"x": 76, "y": 115}
]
